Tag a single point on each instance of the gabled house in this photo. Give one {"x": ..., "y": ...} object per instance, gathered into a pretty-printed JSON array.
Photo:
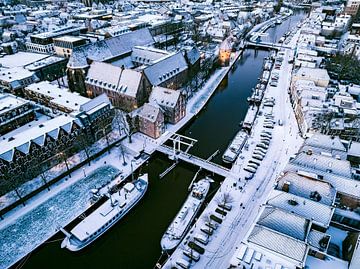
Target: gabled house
[
  {"x": 151, "y": 120},
  {"x": 127, "y": 89},
  {"x": 172, "y": 103},
  {"x": 170, "y": 71}
]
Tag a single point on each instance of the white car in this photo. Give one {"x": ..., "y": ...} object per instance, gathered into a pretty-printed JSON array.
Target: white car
[
  {"x": 258, "y": 157},
  {"x": 250, "y": 169}
]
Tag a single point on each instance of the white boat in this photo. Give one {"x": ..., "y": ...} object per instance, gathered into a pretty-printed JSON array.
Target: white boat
[
  {"x": 235, "y": 147},
  {"x": 278, "y": 21},
  {"x": 182, "y": 221},
  {"x": 250, "y": 118},
  {"x": 99, "y": 221}
]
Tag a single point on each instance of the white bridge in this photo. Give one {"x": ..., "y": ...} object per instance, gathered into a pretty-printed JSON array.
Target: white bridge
[
  {"x": 266, "y": 45},
  {"x": 175, "y": 153}
]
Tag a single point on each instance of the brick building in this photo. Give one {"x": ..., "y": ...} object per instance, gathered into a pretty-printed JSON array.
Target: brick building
[
  {"x": 151, "y": 120},
  {"x": 171, "y": 102},
  {"x": 126, "y": 88}
]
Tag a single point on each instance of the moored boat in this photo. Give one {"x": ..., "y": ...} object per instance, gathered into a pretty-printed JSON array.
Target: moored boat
[
  {"x": 104, "y": 217},
  {"x": 182, "y": 221},
  {"x": 235, "y": 147}
]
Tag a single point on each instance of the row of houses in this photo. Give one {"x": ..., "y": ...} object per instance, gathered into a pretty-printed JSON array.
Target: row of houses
[
  {"x": 311, "y": 217},
  {"x": 321, "y": 104},
  {"x": 43, "y": 143}
]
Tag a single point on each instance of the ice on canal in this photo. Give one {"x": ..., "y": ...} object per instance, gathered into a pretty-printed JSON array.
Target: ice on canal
[{"x": 33, "y": 228}]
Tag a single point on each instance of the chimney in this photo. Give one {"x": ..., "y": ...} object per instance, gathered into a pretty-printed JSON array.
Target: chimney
[{"x": 286, "y": 186}]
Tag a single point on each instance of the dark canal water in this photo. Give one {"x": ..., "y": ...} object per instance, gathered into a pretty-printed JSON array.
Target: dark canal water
[{"x": 134, "y": 242}]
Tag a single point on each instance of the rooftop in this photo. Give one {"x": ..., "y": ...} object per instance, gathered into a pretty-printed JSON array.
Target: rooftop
[
  {"x": 109, "y": 48},
  {"x": 9, "y": 102},
  {"x": 323, "y": 163},
  {"x": 114, "y": 78},
  {"x": 319, "y": 213},
  {"x": 149, "y": 112},
  {"x": 16, "y": 73},
  {"x": 59, "y": 96},
  {"x": 165, "y": 68},
  {"x": 284, "y": 222},
  {"x": 44, "y": 62},
  {"x": 309, "y": 188},
  {"x": 21, "y": 59},
  {"x": 164, "y": 97},
  {"x": 279, "y": 243},
  {"x": 36, "y": 134}
]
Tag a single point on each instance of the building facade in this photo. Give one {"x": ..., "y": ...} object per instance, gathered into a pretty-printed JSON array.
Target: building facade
[
  {"x": 14, "y": 112},
  {"x": 127, "y": 89}
]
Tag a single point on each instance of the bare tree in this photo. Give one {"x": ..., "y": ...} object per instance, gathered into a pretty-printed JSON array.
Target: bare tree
[
  {"x": 122, "y": 153},
  {"x": 224, "y": 199},
  {"x": 120, "y": 121},
  {"x": 103, "y": 125},
  {"x": 132, "y": 126},
  {"x": 64, "y": 155},
  {"x": 208, "y": 220},
  {"x": 13, "y": 181},
  {"x": 85, "y": 143},
  {"x": 38, "y": 170}
]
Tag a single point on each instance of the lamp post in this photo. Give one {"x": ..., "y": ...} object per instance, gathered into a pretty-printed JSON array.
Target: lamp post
[{"x": 132, "y": 170}]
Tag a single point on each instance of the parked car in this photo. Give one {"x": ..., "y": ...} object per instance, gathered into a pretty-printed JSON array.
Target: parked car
[
  {"x": 262, "y": 145},
  {"x": 258, "y": 157},
  {"x": 250, "y": 169}
]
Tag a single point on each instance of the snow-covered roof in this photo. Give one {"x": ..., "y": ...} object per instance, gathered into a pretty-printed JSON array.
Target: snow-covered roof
[
  {"x": 341, "y": 184},
  {"x": 324, "y": 144},
  {"x": 165, "y": 68},
  {"x": 109, "y": 48},
  {"x": 21, "y": 59},
  {"x": 278, "y": 243},
  {"x": 149, "y": 112},
  {"x": 95, "y": 103},
  {"x": 114, "y": 78},
  {"x": 13, "y": 74},
  {"x": 325, "y": 141},
  {"x": 44, "y": 62},
  {"x": 354, "y": 149},
  {"x": 323, "y": 163},
  {"x": 164, "y": 97},
  {"x": 193, "y": 55},
  {"x": 306, "y": 187},
  {"x": 315, "y": 237},
  {"x": 284, "y": 222},
  {"x": 313, "y": 73},
  {"x": 9, "y": 102},
  {"x": 147, "y": 55},
  {"x": 37, "y": 135},
  {"x": 58, "y": 96},
  {"x": 319, "y": 213}
]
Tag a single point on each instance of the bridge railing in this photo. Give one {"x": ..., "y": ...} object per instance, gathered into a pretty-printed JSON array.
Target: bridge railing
[{"x": 193, "y": 157}]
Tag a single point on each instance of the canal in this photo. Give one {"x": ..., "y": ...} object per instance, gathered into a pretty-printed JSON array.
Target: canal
[{"x": 134, "y": 242}]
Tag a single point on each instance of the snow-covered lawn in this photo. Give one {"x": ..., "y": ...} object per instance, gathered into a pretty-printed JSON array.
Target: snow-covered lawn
[
  {"x": 20, "y": 237},
  {"x": 31, "y": 185}
]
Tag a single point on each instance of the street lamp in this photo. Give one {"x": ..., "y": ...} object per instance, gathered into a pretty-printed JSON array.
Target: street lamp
[{"x": 132, "y": 170}]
